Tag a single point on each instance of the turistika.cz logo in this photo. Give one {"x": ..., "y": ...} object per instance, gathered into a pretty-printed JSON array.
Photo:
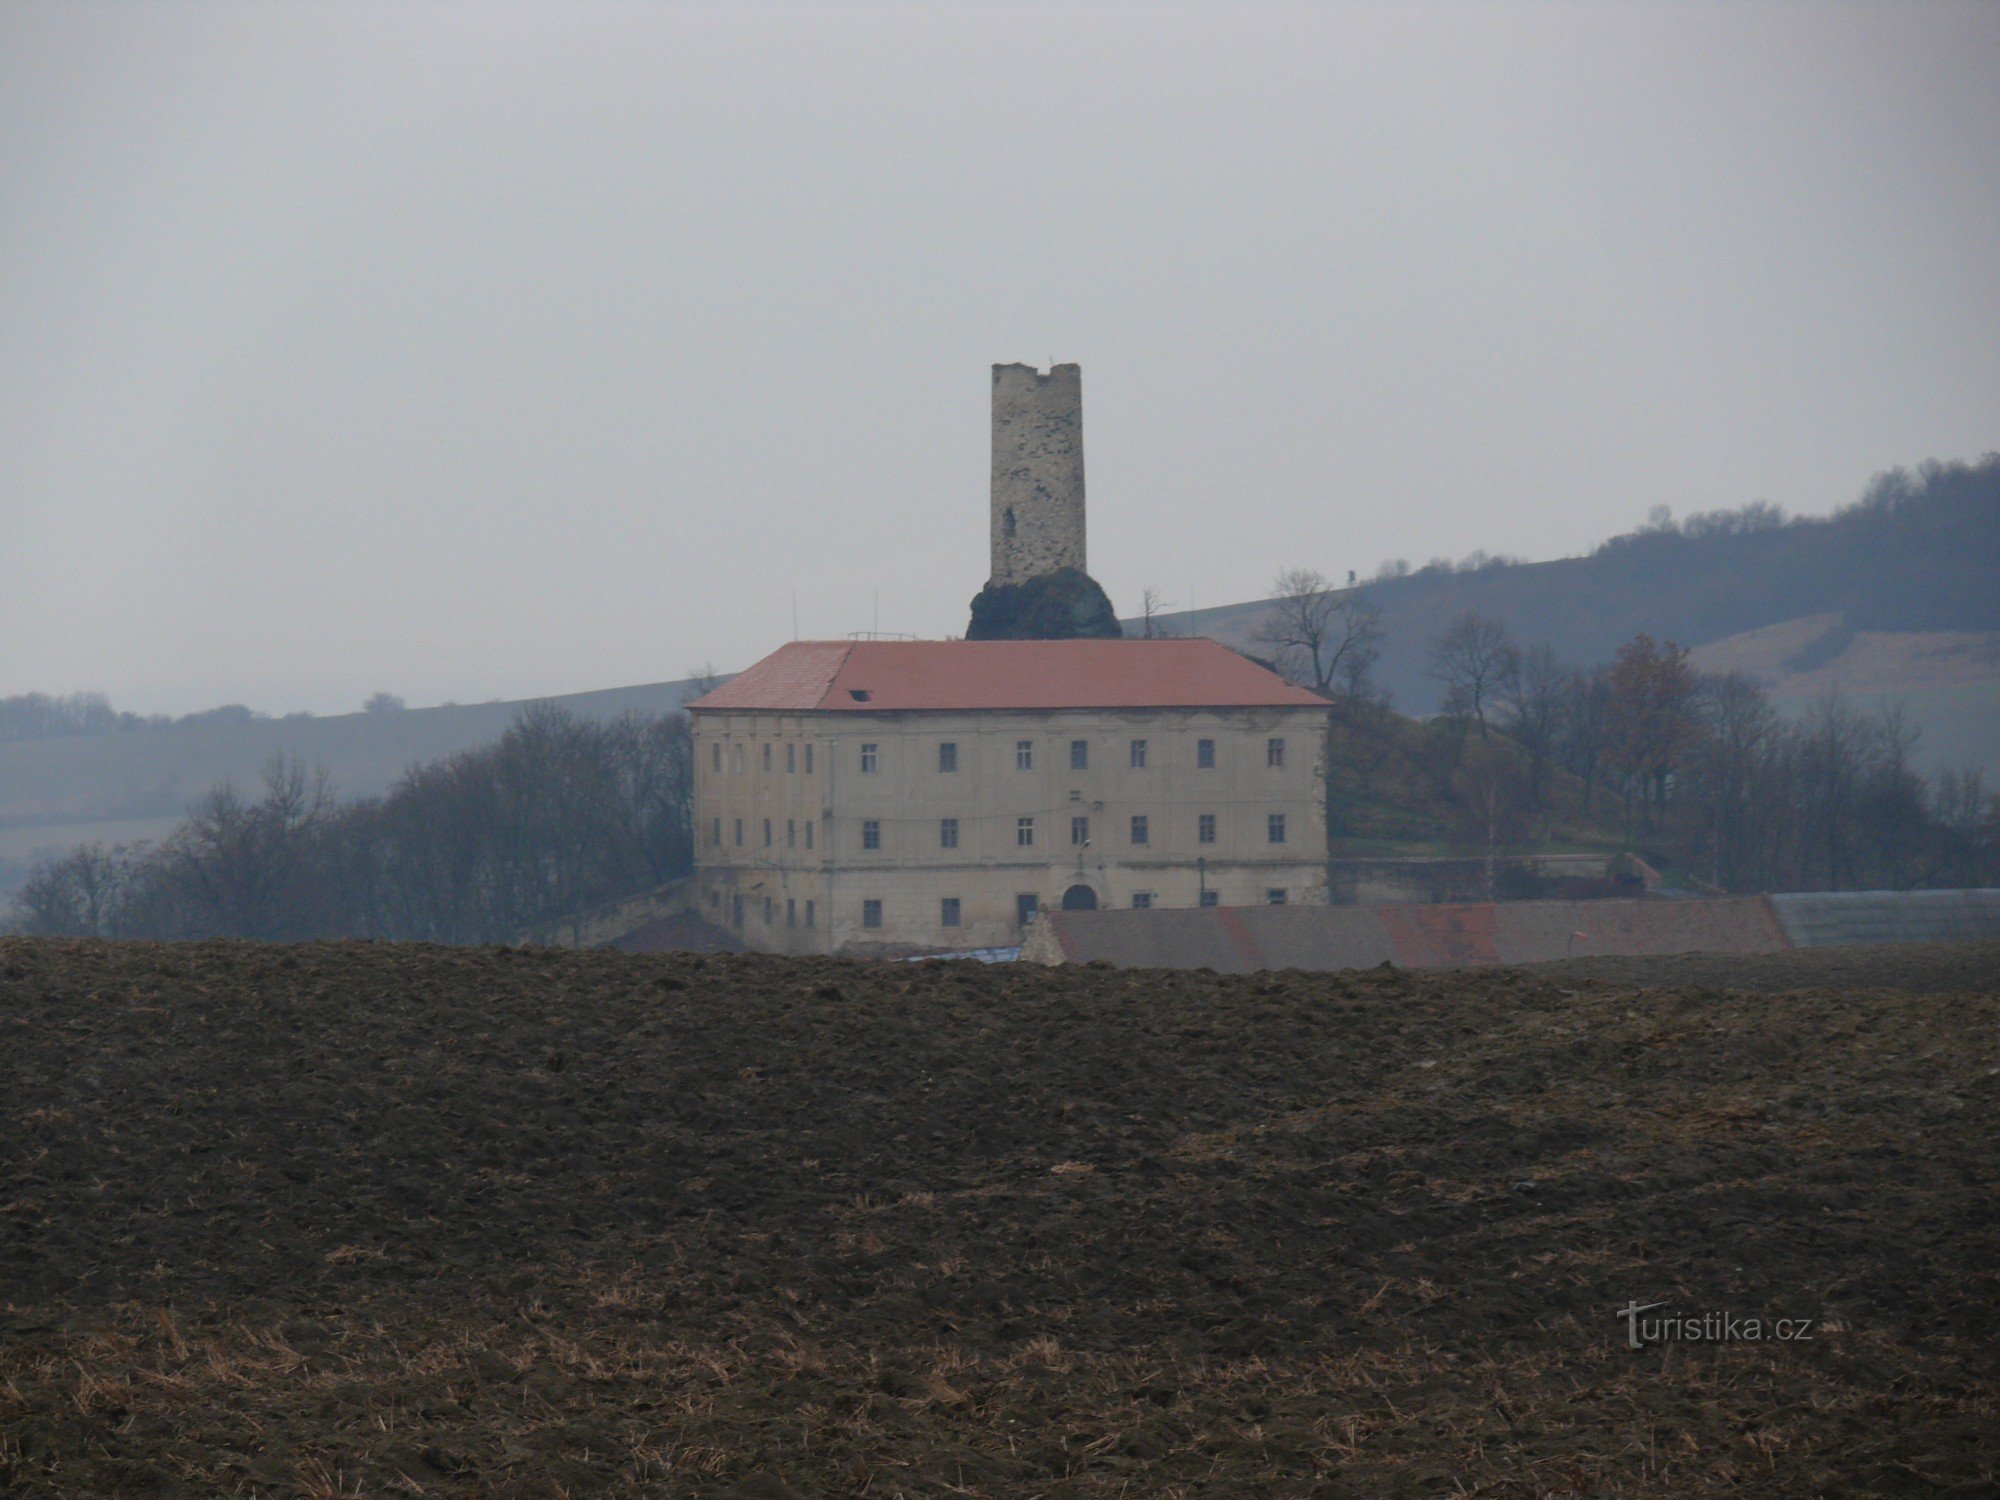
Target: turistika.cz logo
[{"x": 1707, "y": 1328}]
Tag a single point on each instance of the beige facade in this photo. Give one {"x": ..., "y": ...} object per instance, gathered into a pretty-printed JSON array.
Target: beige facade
[{"x": 856, "y": 832}]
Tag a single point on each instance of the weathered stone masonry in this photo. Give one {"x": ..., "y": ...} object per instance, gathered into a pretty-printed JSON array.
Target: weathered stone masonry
[{"x": 1037, "y": 471}]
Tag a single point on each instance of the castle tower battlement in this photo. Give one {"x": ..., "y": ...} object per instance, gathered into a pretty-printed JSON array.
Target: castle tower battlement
[{"x": 1037, "y": 471}]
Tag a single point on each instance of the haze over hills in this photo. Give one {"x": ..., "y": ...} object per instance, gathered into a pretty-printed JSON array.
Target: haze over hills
[
  {"x": 1895, "y": 597},
  {"x": 1891, "y": 599},
  {"x": 129, "y": 785}
]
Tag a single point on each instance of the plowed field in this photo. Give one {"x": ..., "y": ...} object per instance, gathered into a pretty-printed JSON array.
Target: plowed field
[{"x": 371, "y": 1220}]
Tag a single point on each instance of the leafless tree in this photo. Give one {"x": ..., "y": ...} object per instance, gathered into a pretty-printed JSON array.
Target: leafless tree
[
  {"x": 1319, "y": 635},
  {"x": 251, "y": 869},
  {"x": 1584, "y": 728},
  {"x": 701, "y": 681},
  {"x": 74, "y": 896},
  {"x": 1534, "y": 711},
  {"x": 1151, "y": 605},
  {"x": 1728, "y": 771},
  {"x": 1476, "y": 664}
]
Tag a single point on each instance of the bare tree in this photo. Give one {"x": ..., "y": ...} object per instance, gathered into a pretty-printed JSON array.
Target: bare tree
[
  {"x": 1319, "y": 634},
  {"x": 1150, "y": 606},
  {"x": 252, "y": 869},
  {"x": 1653, "y": 720},
  {"x": 1584, "y": 728},
  {"x": 1729, "y": 770},
  {"x": 701, "y": 681},
  {"x": 1476, "y": 664},
  {"x": 1534, "y": 711},
  {"x": 75, "y": 896}
]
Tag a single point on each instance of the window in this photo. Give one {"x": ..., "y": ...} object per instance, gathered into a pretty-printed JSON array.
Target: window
[
  {"x": 1138, "y": 755},
  {"x": 1079, "y": 831},
  {"x": 735, "y": 757},
  {"x": 791, "y": 757},
  {"x": 948, "y": 911},
  {"x": 715, "y": 833},
  {"x": 737, "y": 829},
  {"x": 1140, "y": 831},
  {"x": 715, "y": 756},
  {"x": 791, "y": 912},
  {"x": 867, "y": 760},
  {"x": 715, "y": 898},
  {"x": 1205, "y": 829},
  {"x": 1024, "y": 831},
  {"x": 1204, "y": 754},
  {"x": 1211, "y": 898},
  {"x": 1275, "y": 896},
  {"x": 1024, "y": 755},
  {"x": 791, "y": 833},
  {"x": 767, "y": 833},
  {"x": 1142, "y": 900},
  {"x": 1079, "y": 755},
  {"x": 871, "y": 834},
  {"x": 947, "y": 833},
  {"x": 1274, "y": 752},
  {"x": 809, "y": 771},
  {"x": 736, "y": 910},
  {"x": 809, "y": 842},
  {"x": 1275, "y": 825},
  {"x": 770, "y": 910},
  {"x": 809, "y": 905},
  {"x": 948, "y": 756},
  {"x": 871, "y": 914},
  {"x": 1024, "y": 908},
  {"x": 767, "y": 755}
]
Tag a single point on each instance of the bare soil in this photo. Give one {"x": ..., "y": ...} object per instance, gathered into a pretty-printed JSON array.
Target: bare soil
[{"x": 354, "y": 1219}]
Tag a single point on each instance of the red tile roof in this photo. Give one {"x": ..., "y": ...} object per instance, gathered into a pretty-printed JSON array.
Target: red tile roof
[{"x": 893, "y": 676}]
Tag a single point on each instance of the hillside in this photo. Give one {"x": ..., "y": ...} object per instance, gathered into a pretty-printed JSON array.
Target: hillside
[
  {"x": 1897, "y": 594},
  {"x": 131, "y": 785}
]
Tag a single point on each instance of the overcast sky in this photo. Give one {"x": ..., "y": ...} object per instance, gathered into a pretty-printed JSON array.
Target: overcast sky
[{"x": 484, "y": 351}]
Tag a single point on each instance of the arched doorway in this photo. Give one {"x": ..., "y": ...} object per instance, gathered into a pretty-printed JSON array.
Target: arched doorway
[{"x": 1079, "y": 898}]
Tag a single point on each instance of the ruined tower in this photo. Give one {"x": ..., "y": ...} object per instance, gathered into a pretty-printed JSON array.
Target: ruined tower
[{"x": 1037, "y": 471}]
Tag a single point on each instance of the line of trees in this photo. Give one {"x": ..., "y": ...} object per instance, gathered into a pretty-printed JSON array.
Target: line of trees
[
  {"x": 562, "y": 814},
  {"x": 1708, "y": 774},
  {"x": 1702, "y": 773},
  {"x": 50, "y": 716}
]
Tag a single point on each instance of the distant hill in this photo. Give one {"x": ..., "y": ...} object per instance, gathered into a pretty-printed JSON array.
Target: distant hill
[
  {"x": 1898, "y": 595},
  {"x": 127, "y": 785}
]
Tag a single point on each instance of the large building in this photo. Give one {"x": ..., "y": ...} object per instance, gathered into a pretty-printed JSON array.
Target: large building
[
  {"x": 874, "y": 796},
  {"x": 884, "y": 796}
]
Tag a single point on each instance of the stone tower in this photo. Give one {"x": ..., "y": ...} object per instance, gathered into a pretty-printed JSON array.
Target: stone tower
[{"x": 1037, "y": 471}]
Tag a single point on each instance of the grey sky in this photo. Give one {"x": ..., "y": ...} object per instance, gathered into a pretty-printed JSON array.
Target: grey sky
[{"x": 475, "y": 351}]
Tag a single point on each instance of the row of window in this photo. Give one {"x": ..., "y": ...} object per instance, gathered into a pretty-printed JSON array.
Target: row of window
[
  {"x": 770, "y": 910},
  {"x": 736, "y": 756},
  {"x": 1024, "y": 755},
  {"x": 736, "y": 833},
  {"x": 1026, "y": 904},
  {"x": 1140, "y": 834},
  {"x": 950, "y": 909}
]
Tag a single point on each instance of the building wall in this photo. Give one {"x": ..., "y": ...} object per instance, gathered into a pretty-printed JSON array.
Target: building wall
[
  {"x": 1037, "y": 491},
  {"x": 907, "y": 796}
]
